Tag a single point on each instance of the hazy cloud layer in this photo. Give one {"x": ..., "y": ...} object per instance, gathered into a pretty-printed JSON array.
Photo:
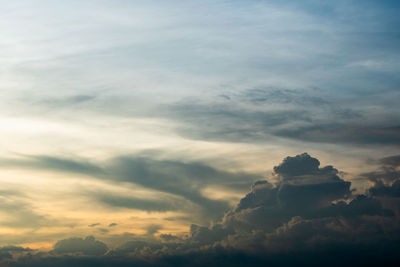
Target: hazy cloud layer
[
  {"x": 18, "y": 213},
  {"x": 316, "y": 72},
  {"x": 180, "y": 183}
]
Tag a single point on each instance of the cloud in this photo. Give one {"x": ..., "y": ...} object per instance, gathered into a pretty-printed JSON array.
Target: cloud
[
  {"x": 76, "y": 245},
  {"x": 16, "y": 249},
  {"x": 303, "y": 189},
  {"x": 20, "y": 213},
  {"x": 54, "y": 163},
  {"x": 387, "y": 173},
  {"x": 299, "y": 165},
  {"x": 185, "y": 180},
  {"x": 103, "y": 230},
  {"x": 138, "y": 248},
  {"x": 161, "y": 205},
  {"x": 386, "y": 182},
  {"x": 112, "y": 224},
  {"x": 67, "y": 101},
  {"x": 309, "y": 208},
  {"x": 182, "y": 182},
  {"x": 345, "y": 133},
  {"x": 153, "y": 228},
  {"x": 229, "y": 121},
  {"x": 261, "y": 115},
  {"x": 168, "y": 237},
  {"x": 309, "y": 216}
]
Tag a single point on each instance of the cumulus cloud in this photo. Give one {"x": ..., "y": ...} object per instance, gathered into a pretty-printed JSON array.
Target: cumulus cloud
[
  {"x": 88, "y": 246},
  {"x": 309, "y": 206},
  {"x": 303, "y": 189}
]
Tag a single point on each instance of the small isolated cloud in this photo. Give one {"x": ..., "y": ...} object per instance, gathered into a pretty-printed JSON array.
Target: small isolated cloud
[
  {"x": 103, "y": 230},
  {"x": 112, "y": 224},
  {"x": 94, "y": 224}
]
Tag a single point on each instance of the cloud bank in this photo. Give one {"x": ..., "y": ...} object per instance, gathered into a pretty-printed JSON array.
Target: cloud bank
[{"x": 308, "y": 216}]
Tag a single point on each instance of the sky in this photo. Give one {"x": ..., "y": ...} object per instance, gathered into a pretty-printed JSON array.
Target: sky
[{"x": 167, "y": 133}]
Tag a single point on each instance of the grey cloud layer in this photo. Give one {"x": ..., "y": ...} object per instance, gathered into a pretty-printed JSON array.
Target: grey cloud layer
[
  {"x": 267, "y": 114},
  {"x": 262, "y": 115}
]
